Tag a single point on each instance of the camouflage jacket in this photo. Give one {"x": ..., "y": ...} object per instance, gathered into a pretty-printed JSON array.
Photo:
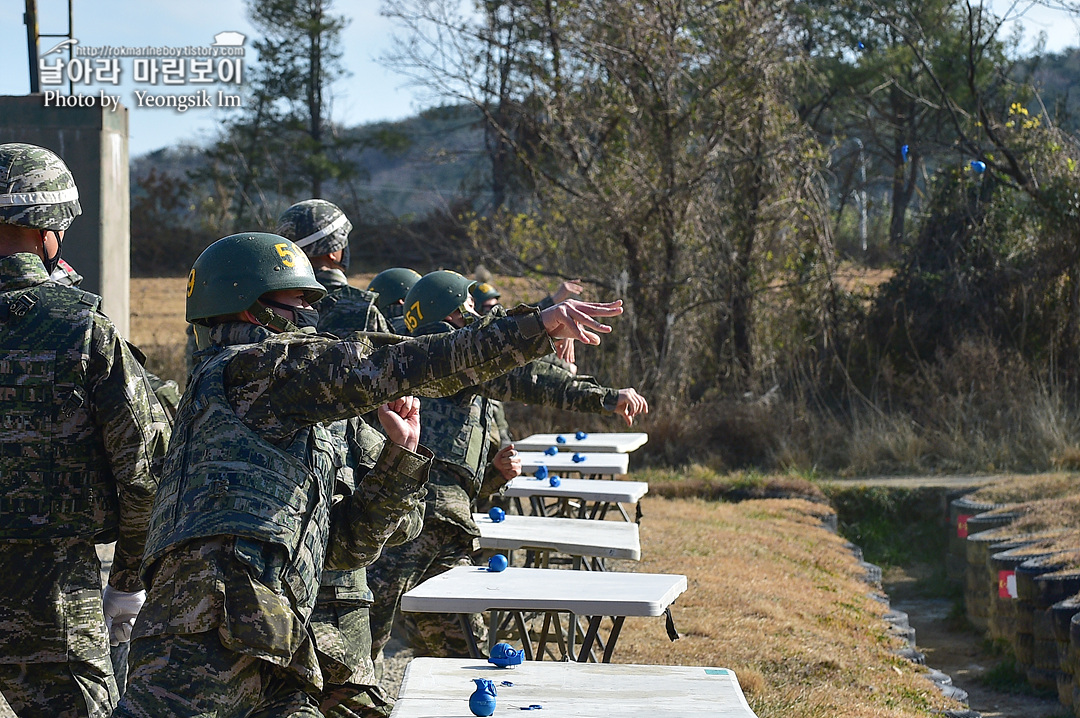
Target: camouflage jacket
[
  {"x": 122, "y": 415},
  {"x": 345, "y": 308},
  {"x": 279, "y": 385}
]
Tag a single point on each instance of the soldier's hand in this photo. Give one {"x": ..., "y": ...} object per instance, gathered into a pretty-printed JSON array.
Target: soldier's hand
[
  {"x": 573, "y": 319},
  {"x": 400, "y": 420},
  {"x": 121, "y": 609},
  {"x": 564, "y": 349},
  {"x": 508, "y": 462},
  {"x": 630, "y": 405},
  {"x": 567, "y": 290}
]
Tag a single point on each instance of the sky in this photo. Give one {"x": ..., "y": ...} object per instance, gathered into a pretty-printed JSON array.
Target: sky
[{"x": 370, "y": 92}]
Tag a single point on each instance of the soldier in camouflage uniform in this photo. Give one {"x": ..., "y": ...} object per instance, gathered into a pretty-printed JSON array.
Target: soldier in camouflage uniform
[
  {"x": 339, "y": 621},
  {"x": 457, "y": 429},
  {"x": 244, "y": 522},
  {"x": 321, "y": 229},
  {"x": 81, "y": 447}
]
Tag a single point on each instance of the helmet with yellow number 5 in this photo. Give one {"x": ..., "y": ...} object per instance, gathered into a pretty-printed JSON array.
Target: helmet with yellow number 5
[
  {"x": 434, "y": 297},
  {"x": 232, "y": 273}
]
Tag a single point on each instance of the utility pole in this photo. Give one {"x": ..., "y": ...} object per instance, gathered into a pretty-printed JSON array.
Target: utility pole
[{"x": 31, "y": 21}]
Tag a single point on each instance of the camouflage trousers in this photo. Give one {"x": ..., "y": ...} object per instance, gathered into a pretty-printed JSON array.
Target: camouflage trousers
[
  {"x": 194, "y": 675},
  {"x": 54, "y": 652},
  {"x": 439, "y": 548},
  {"x": 354, "y": 701}
]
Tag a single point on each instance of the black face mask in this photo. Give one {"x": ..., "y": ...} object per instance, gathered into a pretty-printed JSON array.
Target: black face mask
[
  {"x": 301, "y": 316},
  {"x": 50, "y": 262}
]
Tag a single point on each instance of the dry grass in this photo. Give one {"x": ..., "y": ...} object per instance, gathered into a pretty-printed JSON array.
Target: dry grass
[
  {"x": 1025, "y": 488},
  {"x": 778, "y": 599},
  {"x": 704, "y": 482},
  {"x": 1043, "y": 515}
]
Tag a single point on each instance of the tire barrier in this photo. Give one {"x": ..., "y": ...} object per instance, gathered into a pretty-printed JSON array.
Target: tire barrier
[
  {"x": 960, "y": 510},
  {"x": 1021, "y": 578}
]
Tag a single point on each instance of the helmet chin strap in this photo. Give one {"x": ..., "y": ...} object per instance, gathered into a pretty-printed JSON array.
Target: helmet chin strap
[
  {"x": 267, "y": 317},
  {"x": 50, "y": 262}
]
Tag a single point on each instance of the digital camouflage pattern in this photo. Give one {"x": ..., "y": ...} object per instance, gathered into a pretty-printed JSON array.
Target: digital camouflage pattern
[
  {"x": 279, "y": 385},
  {"x": 200, "y": 679},
  {"x": 339, "y": 621},
  {"x": 316, "y": 226},
  {"x": 113, "y": 433},
  {"x": 346, "y": 309},
  {"x": 36, "y": 188},
  {"x": 440, "y": 547}
]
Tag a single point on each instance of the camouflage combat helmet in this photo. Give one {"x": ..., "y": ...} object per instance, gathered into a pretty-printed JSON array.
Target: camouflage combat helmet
[
  {"x": 232, "y": 273},
  {"x": 36, "y": 188},
  {"x": 483, "y": 291},
  {"x": 316, "y": 226},
  {"x": 391, "y": 285},
  {"x": 434, "y": 297}
]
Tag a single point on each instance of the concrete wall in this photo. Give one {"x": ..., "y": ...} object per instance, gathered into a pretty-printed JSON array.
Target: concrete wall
[{"x": 94, "y": 144}]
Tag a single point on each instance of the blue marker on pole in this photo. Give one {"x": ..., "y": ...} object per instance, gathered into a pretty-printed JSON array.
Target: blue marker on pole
[{"x": 903, "y": 152}]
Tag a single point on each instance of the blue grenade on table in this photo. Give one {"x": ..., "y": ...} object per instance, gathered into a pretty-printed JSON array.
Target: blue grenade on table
[
  {"x": 541, "y": 472},
  {"x": 578, "y": 458},
  {"x": 581, "y": 436},
  {"x": 551, "y": 451},
  {"x": 482, "y": 701},
  {"x": 504, "y": 655},
  {"x": 560, "y": 439}
]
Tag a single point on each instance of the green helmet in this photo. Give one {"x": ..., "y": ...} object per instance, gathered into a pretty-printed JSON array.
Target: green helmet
[
  {"x": 392, "y": 285},
  {"x": 232, "y": 273},
  {"x": 36, "y": 188},
  {"x": 316, "y": 226},
  {"x": 434, "y": 297},
  {"x": 483, "y": 291}
]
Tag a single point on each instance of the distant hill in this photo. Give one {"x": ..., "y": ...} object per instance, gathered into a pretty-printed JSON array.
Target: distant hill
[
  {"x": 407, "y": 168},
  {"x": 1056, "y": 75}
]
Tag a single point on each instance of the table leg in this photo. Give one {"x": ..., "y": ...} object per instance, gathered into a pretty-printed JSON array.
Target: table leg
[
  {"x": 571, "y": 635},
  {"x": 590, "y": 636},
  {"x": 493, "y": 630},
  {"x": 613, "y": 637},
  {"x": 470, "y": 637},
  {"x": 626, "y": 516},
  {"x": 526, "y": 639},
  {"x": 520, "y": 508}
]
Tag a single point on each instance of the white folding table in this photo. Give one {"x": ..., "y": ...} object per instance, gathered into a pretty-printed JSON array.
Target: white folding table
[
  {"x": 605, "y": 442},
  {"x": 595, "y": 496},
  {"x": 595, "y": 540},
  {"x": 594, "y": 464},
  {"x": 473, "y": 589},
  {"x": 442, "y": 686}
]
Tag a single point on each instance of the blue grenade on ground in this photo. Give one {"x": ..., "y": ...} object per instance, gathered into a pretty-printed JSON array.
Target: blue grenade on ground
[{"x": 482, "y": 701}]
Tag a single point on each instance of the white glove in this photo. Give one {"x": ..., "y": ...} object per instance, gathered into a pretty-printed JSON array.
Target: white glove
[{"x": 120, "y": 610}]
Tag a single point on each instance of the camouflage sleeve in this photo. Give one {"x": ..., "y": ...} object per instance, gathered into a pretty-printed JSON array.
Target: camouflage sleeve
[
  {"x": 547, "y": 384},
  {"x": 279, "y": 387},
  {"x": 548, "y": 301},
  {"x": 410, "y": 527},
  {"x": 362, "y": 524},
  {"x": 376, "y": 322},
  {"x": 136, "y": 433}
]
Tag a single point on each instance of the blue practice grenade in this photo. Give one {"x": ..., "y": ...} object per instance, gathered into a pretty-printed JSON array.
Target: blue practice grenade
[{"x": 482, "y": 701}]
